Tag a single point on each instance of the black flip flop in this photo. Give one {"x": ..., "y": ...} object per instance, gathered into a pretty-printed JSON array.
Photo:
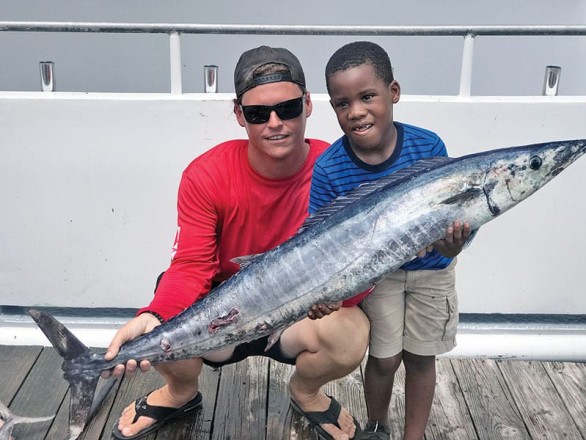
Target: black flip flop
[
  {"x": 161, "y": 414},
  {"x": 316, "y": 418}
]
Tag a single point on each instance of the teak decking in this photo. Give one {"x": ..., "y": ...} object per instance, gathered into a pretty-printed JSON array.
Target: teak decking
[{"x": 475, "y": 399}]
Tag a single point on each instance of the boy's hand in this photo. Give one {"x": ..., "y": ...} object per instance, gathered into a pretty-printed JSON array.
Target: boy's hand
[
  {"x": 451, "y": 245},
  {"x": 140, "y": 325},
  {"x": 424, "y": 251},
  {"x": 318, "y": 311},
  {"x": 456, "y": 235}
]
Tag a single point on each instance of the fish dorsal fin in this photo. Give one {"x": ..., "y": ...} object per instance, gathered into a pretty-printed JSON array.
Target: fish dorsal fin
[
  {"x": 245, "y": 260},
  {"x": 367, "y": 188}
]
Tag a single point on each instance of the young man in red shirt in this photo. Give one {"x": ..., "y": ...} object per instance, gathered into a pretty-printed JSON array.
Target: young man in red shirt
[{"x": 244, "y": 197}]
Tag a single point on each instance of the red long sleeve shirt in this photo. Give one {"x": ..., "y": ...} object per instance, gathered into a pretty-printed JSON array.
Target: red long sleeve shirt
[{"x": 227, "y": 210}]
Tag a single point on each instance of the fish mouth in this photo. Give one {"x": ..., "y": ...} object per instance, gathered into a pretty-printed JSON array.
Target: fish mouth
[
  {"x": 557, "y": 170},
  {"x": 566, "y": 157}
]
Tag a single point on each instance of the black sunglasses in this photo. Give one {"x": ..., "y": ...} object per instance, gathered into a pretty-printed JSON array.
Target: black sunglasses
[{"x": 259, "y": 114}]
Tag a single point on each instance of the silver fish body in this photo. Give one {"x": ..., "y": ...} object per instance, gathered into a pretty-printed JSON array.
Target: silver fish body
[{"x": 340, "y": 251}]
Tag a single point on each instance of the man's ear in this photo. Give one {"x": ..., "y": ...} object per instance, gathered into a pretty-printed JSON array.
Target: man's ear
[
  {"x": 308, "y": 104},
  {"x": 239, "y": 115}
]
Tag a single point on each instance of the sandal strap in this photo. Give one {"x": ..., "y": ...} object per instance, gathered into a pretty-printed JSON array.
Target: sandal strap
[
  {"x": 142, "y": 408},
  {"x": 330, "y": 415}
]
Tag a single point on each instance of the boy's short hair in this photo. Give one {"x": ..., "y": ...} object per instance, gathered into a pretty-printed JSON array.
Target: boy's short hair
[{"x": 358, "y": 53}]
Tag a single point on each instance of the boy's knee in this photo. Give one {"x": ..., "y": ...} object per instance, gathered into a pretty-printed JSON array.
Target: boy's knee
[
  {"x": 384, "y": 366},
  {"x": 415, "y": 362}
]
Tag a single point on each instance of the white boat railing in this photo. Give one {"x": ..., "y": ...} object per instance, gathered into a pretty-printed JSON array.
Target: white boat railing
[
  {"x": 93, "y": 143},
  {"x": 174, "y": 30}
]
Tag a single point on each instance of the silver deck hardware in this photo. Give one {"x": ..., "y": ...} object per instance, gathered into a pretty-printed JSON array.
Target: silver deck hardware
[
  {"x": 210, "y": 79},
  {"x": 552, "y": 80},
  {"x": 47, "y": 76}
]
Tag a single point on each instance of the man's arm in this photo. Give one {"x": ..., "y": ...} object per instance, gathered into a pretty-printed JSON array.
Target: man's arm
[
  {"x": 188, "y": 277},
  {"x": 194, "y": 262}
]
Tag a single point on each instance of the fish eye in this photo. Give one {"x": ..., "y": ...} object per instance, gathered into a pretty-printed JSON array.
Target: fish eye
[{"x": 535, "y": 162}]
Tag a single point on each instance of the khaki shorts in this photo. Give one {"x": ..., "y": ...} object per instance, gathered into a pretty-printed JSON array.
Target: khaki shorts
[{"x": 415, "y": 311}]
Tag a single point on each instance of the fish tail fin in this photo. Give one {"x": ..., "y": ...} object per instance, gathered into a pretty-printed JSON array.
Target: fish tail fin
[
  {"x": 102, "y": 392},
  {"x": 82, "y": 385},
  {"x": 65, "y": 342},
  {"x": 82, "y": 390}
]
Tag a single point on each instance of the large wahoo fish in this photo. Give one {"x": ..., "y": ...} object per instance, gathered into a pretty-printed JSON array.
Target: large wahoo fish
[{"x": 339, "y": 252}]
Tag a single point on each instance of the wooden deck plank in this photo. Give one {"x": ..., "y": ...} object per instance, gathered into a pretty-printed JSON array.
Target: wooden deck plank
[
  {"x": 41, "y": 394},
  {"x": 15, "y": 364},
  {"x": 540, "y": 405},
  {"x": 475, "y": 399},
  {"x": 449, "y": 418},
  {"x": 241, "y": 404},
  {"x": 283, "y": 423},
  {"x": 59, "y": 427},
  {"x": 570, "y": 381},
  {"x": 494, "y": 413}
]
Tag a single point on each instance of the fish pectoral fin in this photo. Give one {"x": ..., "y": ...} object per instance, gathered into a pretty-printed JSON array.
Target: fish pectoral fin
[
  {"x": 273, "y": 338},
  {"x": 245, "y": 260},
  {"x": 462, "y": 197}
]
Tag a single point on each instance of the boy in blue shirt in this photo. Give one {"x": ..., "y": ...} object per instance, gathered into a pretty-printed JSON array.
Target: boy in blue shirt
[{"x": 413, "y": 311}]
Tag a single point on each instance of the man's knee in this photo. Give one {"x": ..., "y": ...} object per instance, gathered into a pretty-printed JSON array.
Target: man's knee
[
  {"x": 347, "y": 334},
  {"x": 183, "y": 370}
]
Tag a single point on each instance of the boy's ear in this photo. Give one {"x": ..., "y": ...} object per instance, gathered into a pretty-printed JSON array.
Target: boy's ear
[{"x": 395, "y": 90}]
